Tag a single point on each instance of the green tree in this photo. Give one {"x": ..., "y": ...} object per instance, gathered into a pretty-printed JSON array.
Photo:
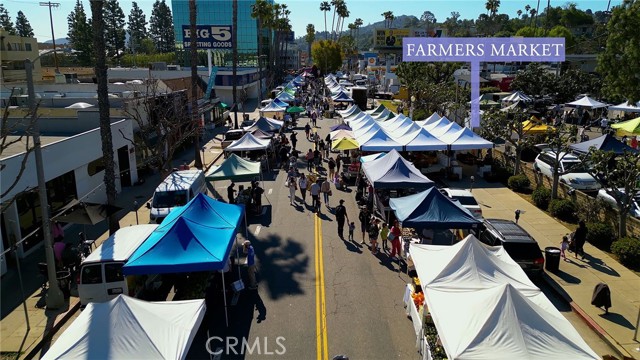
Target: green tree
[
  {"x": 534, "y": 80},
  {"x": 97, "y": 8},
  {"x": 623, "y": 175},
  {"x": 23, "y": 27},
  {"x": 508, "y": 126},
  {"x": 324, "y": 7},
  {"x": 619, "y": 63},
  {"x": 161, "y": 27},
  {"x": 5, "y": 21},
  {"x": 530, "y": 31},
  {"x": 558, "y": 139},
  {"x": 572, "y": 16},
  {"x": 428, "y": 18},
  {"x": 328, "y": 55},
  {"x": 115, "y": 34},
  {"x": 147, "y": 46},
  {"x": 560, "y": 31},
  {"x": 79, "y": 34},
  {"x": 136, "y": 27},
  {"x": 309, "y": 38}
]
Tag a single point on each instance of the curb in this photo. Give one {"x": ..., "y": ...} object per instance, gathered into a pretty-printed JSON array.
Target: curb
[
  {"x": 54, "y": 329},
  {"x": 586, "y": 318}
]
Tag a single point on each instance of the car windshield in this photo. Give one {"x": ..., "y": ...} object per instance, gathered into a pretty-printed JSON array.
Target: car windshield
[
  {"x": 574, "y": 167},
  {"x": 466, "y": 200},
  {"x": 169, "y": 199}
]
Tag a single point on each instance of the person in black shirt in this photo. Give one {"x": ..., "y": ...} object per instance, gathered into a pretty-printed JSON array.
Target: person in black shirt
[
  {"x": 294, "y": 139},
  {"x": 341, "y": 215},
  {"x": 231, "y": 193},
  {"x": 364, "y": 218}
]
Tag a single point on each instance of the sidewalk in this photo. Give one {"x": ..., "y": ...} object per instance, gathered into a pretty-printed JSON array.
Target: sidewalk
[
  {"x": 44, "y": 323},
  {"x": 576, "y": 278}
]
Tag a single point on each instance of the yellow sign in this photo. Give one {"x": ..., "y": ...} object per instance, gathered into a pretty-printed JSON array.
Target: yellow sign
[{"x": 391, "y": 38}]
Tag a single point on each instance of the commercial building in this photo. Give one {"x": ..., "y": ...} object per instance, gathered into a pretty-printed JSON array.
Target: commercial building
[{"x": 14, "y": 50}]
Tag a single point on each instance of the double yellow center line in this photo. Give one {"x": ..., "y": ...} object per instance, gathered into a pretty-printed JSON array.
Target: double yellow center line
[{"x": 321, "y": 304}]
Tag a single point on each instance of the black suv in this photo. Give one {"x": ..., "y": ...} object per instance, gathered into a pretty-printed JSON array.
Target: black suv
[{"x": 522, "y": 248}]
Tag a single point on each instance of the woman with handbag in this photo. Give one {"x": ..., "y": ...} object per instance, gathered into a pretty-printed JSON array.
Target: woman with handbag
[{"x": 325, "y": 188}]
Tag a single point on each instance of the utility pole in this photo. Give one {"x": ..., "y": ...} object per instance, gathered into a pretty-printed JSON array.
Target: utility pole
[
  {"x": 55, "y": 299},
  {"x": 49, "y": 4}
]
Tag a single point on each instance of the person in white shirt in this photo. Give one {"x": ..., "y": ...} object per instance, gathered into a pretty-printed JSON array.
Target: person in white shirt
[{"x": 604, "y": 123}]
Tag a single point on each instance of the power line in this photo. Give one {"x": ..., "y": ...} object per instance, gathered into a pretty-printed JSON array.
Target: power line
[{"x": 50, "y": 5}]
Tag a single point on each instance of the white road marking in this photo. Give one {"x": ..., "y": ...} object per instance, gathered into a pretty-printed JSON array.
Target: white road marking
[
  {"x": 270, "y": 191},
  {"x": 257, "y": 230}
]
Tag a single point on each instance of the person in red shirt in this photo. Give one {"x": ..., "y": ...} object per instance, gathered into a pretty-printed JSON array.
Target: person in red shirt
[{"x": 395, "y": 233}]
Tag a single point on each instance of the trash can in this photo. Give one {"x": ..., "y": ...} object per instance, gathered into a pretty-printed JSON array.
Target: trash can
[
  {"x": 64, "y": 282},
  {"x": 552, "y": 258}
]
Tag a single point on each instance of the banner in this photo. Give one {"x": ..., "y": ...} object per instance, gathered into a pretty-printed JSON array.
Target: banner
[
  {"x": 390, "y": 38},
  {"x": 212, "y": 82},
  {"x": 208, "y": 36}
]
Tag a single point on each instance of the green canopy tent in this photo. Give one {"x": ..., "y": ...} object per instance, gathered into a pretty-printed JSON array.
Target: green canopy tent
[
  {"x": 296, "y": 109},
  {"x": 235, "y": 168}
]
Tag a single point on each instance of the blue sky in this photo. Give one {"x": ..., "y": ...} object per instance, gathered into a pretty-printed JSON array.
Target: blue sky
[{"x": 303, "y": 12}]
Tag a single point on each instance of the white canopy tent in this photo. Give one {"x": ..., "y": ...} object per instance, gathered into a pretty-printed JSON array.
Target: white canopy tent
[
  {"x": 378, "y": 140},
  {"x": 429, "y": 120},
  {"x": 367, "y": 128},
  {"x": 442, "y": 129},
  {"x": 79, "y": 105},
  {"x": 408, "y": 127},
  {"x": 422, "y": 140},
  {"x": 272, "y": 107},
  {"x": 338, "y": 134},
  {"x": 128, "y": 328},
  {"x": 465, "y": 139},
  {"x": 352, "y": 109},
  {"x": 517, "y": 96},
  {"x": 248, "y": 142},
  {"x": 356, "y": 116},
  {"x": 626, "y": 107},
  {"x": 501, "y": 323},
  {"x": 587, "y": 102},
  {"x": 383, "y": 115}
]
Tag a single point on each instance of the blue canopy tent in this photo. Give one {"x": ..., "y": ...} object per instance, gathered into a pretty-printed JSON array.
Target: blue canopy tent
[
  {"x": 196, "y": 237},
  {"x": 431, "y": 209},
  {"x": 605, "y": 142}
]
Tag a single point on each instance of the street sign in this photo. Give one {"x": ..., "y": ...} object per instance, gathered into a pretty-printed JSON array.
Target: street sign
[{"x": 208, "y": 36}]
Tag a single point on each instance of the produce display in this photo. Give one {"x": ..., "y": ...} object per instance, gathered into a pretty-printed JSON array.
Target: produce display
[{"x": 418, "y": 299}]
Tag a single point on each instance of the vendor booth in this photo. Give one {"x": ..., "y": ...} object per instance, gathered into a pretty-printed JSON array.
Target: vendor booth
[
  {"x": 251, "y": 146},
  {"x": 127, "y": 328},
  {"x": 266, "y": 125},
  {"x": 629, "y": 128},
  {"x": 472, "y": 301},
  {"x": 235, "y": 168},
  {"x": 429, "y": 120},
  {"x": 605, "y": 142},
  {"x": 272, "y": 110}
]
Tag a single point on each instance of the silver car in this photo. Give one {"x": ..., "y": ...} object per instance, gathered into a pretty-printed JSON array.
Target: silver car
[{"x": 607, "y": 198}]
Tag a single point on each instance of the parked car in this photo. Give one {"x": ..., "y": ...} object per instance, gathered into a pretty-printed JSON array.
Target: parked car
[
  {"x": 231, "y": 136},
  {"x": 572, "y": 170},
  {"x": 466, "y": 199},
  {"x": 607, "y": 198},
  {"x": 521, "y": 246}
]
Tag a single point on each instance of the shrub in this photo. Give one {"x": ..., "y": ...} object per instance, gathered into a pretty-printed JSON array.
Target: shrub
[
  {"x": 563, "y": 209},
  {"x": 628, "y": 251},
  {"x": 600, "y": 235},
  {"x": 541, "y": 197},
  {"x": 519, "y": 182}
]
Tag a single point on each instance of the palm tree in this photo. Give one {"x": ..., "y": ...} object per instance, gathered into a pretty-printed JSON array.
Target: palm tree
[
  {"x": 260, "y": 11},
  {"x": 97, "y": 24},
  {"x": 537, "y": 12},
  {"x": 532, "y": 13},
  {"x": 310, "y": 38},
  {"x": 492, "y": 7},
  {"x": 519, "y": 12},
  {"x": 324, "y": 7},
  {"x": 335, "y": 4},
  {"x": 343, "y": 13},
  {"x": 195, "y": 117},
  {"x": 358, "y": 23},
  {"x": 388, "y": 18}
]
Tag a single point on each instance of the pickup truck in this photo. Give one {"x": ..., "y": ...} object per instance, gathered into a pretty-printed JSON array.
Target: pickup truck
[{"x": 231, "y": 136}]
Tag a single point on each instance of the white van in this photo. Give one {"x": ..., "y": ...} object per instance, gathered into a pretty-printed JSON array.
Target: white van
[
  {"x": 100, "y": 277},
  {"x": 176, "y": 190}
]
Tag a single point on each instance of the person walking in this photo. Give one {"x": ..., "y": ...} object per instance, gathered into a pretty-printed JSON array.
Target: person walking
[
  {"x": 374, "y": 231},
  {"x": 338, "y": 163},
  {"x": 394, "y": 235},
  {"x": 326, "y": 192},
  {"x": 314, "y": 117},
  {"x": 231, "y": 193},
  {"x": 315, "y": 196},
  {"x": 564, "y": 245},
  {"x": 291, "y": 184},
  {"x": 332, "y": 168},
  {"x": 294, "y": 139},
  {"x": 384, "y": 235},
  {"x": 579, "y": 238},
  {"x": 309, "y": 158},
  {"x": 307, "y": 130},
  {"x": 341, "y": 215},
  {"x": 251, "y": 264},
  {"x": 302, "y": 184},
  {"x": 364, "y": 221}
]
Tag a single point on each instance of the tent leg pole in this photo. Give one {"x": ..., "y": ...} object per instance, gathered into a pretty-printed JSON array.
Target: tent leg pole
[{"x": 224, "y": 295}]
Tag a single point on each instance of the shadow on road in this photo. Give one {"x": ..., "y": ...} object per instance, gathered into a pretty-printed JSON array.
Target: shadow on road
[{"x": 618, "y": 319}]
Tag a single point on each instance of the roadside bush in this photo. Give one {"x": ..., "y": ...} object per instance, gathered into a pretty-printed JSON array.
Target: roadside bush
[
  {"x": 563, "y": 209},
  {"x": 600, "y": 235},
  {"x": 541, "y": 197},
  {"x": 628, "y": 252},
  {"x": 519, "y": 182}
]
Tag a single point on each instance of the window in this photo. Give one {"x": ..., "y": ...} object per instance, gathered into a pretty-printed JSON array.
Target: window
[
  {"x": 92, "y": 274},
  {"x": 113, "y": 272},
  {"x": 27, "y": 47},
  {"x": 486, "y": 237},
  {"x": 95, "y": 166}
]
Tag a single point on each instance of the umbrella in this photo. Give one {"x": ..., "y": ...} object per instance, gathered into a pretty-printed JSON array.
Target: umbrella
[
  {"x": 223, "y": 105},
  {"x": 345, "y": 144},
  {"x": 340, "y": 127},
  {"x": 76, "y": 212},
  {"x": 296, "y": 109}
]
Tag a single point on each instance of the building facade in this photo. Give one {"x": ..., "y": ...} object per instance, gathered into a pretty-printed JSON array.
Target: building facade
[{"x": 14, "y": 50}]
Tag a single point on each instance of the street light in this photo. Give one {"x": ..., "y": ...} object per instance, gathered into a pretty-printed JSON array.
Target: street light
[
  {"x": 54, "y": 299},
  {"x": 204, "y": 165}
]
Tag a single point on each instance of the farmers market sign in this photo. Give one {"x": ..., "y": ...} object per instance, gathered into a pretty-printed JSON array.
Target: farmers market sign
[{"x": 476, "y": 50}]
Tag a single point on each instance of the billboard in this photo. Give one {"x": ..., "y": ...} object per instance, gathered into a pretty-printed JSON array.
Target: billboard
[
  {"x": 390, "y": 38},
  {"x": 434, "y": 33},
  {"x": 208, "y": 36}
]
